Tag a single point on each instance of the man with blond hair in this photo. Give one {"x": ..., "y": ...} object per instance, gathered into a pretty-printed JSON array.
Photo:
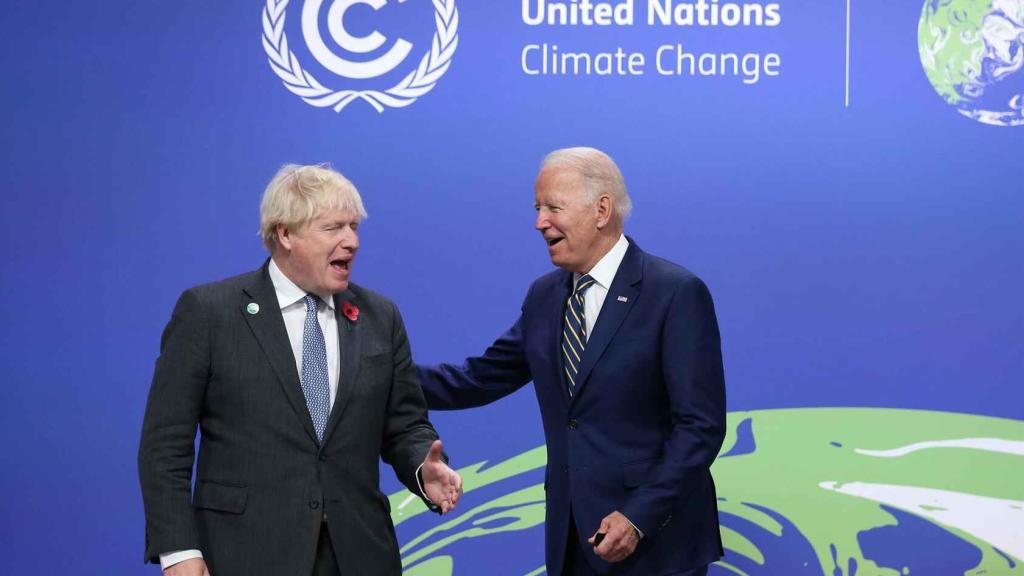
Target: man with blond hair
[
  {"x": 299, "y": 382},
  {"x": 625, "y": 357}
]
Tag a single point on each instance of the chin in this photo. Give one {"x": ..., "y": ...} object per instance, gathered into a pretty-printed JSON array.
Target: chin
[
  {"x": 336, "y": 286},
  {"x": 560, "y": 261}
]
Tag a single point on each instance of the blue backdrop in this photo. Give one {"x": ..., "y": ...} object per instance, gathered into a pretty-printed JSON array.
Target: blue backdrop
[{"x": 862, "y": 254}]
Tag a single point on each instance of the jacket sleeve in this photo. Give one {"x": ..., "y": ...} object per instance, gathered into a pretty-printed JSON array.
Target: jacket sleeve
[
  {"x": 407, "y": 434},
  {"x": 499, "y": 371},
  {"x": 692, "y": 368},
  {"x": 167, "y": 447}
]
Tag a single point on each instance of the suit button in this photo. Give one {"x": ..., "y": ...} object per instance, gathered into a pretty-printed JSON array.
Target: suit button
[
  {"x": 565, "y": 470},
  {"x": 573, "y": 424},
  {"x": 323, "y": 457},
  {"x": 314, "y": 504}
]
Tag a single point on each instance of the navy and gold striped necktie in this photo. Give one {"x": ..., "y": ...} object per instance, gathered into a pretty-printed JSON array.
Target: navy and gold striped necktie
[{"x": 574, "y": 334}]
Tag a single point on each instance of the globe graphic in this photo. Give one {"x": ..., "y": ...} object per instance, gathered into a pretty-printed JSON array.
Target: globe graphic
[{"x": 973, "y": 54}]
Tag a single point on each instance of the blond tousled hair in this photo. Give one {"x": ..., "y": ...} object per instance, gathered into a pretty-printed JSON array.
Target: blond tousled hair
[{"x": 298, "y": 194}]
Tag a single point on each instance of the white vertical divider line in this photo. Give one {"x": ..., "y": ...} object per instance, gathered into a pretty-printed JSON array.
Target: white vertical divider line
[{"x": 846, "y": 101}]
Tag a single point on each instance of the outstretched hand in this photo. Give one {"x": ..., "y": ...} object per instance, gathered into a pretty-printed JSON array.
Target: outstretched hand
[{"x": 441, "y": 484}]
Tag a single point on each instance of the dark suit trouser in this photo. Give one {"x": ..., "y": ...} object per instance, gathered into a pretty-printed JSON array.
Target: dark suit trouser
[
  {"x": 576, "y": 563},
  {"x": 326, "y": 564}
]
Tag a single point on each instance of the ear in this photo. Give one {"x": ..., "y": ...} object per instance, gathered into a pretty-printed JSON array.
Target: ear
[
  {"x": 605, "y": 208},
  {"x": 284, "y": 237}
]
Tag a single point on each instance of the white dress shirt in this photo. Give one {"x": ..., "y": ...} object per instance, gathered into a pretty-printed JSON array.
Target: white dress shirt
[
  {"x": 291, "y": 298},
  {"x": 603, "y": 273}
]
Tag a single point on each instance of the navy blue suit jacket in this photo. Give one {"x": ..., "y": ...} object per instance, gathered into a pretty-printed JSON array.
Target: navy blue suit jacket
[{"x": 644, "y": 425}]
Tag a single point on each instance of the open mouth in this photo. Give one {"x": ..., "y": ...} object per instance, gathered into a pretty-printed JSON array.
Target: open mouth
[
  {"x": 553, "y": 241},
  {"x": 340, "y": 264}
]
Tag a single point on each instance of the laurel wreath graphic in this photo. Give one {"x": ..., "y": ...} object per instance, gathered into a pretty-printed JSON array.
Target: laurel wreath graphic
[{"x": 432, "y": 66}]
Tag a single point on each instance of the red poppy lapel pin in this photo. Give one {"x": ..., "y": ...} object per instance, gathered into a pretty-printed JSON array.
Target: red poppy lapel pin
[{"x": 350, "y": 310}]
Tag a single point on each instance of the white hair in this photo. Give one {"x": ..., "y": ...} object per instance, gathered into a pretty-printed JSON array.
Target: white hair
[{"x": 599, "y": 173}]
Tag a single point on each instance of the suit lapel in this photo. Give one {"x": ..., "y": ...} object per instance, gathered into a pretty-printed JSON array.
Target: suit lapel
[
  {"x": 620, "y": 300},
  {"x": 268, "y": 327},
  {"x": 349, "y": 342}
]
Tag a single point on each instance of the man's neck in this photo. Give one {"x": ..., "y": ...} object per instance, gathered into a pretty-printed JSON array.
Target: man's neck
[{"x": 607, "y": 242}]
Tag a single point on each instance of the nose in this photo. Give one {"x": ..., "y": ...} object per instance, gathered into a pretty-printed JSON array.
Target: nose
[
  {"x": 541, "y": 222},
  {"x": 350, "y": 240}
]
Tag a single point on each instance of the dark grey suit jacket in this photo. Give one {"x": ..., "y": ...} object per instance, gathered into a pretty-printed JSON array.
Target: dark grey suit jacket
[{"x": 263, "y": 484}]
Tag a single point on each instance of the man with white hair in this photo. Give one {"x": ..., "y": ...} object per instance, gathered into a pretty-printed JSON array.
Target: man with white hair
[
  {"x": 299, "y": 382},
  {"x": 624, "y": 352}
]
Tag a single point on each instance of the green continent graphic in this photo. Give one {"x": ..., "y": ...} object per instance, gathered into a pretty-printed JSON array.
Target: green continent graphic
[
  {"x": 973, "y": 53},
  {"x": 824, "y": 491},
  {"x": 833, "y": 472}
]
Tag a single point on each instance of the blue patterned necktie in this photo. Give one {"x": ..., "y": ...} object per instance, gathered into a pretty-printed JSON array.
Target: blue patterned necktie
[
  {"x": 574, "y": 334},
  {"x": 315, "y": 383}
]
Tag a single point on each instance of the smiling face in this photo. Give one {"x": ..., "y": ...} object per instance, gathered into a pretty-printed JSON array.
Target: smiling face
[
  {"x": 318, "y": 256},
  {"x": 574, "y": 228}
]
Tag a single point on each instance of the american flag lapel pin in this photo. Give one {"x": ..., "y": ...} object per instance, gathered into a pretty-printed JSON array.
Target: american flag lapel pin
[{"x": 623, "y": 299}]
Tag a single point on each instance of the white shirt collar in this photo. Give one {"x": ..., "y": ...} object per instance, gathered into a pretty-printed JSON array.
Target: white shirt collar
[
  {"x": 288, "y": 292},
  {"x": 604, "y": 271}
]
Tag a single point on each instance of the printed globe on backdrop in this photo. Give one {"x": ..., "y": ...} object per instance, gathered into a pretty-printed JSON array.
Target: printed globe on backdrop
[
  {"x": 973, "y": 54},
  {"x": 812, "y": 491}
]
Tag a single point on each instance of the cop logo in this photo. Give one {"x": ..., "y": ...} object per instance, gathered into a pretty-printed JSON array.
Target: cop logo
[{"x": 301, "y": 82}]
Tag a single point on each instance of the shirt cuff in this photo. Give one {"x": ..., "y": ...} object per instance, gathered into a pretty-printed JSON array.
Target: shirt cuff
[
  {"x": 639, "y": 532},
  {"x": 419, "y": 483},
  {"x": 423, "y": 493},
  {"x": 171, "y": 558}
]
